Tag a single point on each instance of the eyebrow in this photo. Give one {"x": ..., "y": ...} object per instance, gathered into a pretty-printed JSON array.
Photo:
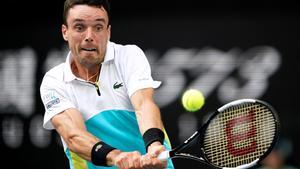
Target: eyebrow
[{"x": 82, "y": 20}]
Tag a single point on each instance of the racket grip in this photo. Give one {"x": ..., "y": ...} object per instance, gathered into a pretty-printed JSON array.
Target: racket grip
[{"x": 163, "y": 156}]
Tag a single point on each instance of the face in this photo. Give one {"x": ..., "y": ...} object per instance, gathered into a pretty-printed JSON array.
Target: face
[{"x": 87, "y": 34}]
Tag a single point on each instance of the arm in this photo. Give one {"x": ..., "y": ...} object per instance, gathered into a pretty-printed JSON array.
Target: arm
[
  {"x": 147, "y": 112},
  {"x": 148, "y": 116},
  {"x": 69, "y": 124}
]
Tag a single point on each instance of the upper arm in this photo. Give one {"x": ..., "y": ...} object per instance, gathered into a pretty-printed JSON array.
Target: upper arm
[
  {"x": 54, "y": 97},
  {"x": 135, "y": 69}
]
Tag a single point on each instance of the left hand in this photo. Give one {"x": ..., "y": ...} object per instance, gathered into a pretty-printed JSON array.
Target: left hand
[{"x": 150, "y": 160}]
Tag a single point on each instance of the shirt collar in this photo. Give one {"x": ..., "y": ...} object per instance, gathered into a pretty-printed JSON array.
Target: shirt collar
[
  {"x": 110, "y": 52},
  {"x": 68, "y": 74}
]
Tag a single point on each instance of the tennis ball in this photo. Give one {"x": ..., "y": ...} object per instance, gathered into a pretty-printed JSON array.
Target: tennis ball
[{"x": 192, "y": 100}]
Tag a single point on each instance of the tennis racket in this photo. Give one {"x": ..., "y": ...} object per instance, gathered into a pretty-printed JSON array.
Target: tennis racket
[{"x": 237, "y": 135}]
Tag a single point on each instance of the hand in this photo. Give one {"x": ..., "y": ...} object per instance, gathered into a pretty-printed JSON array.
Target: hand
[
  {"x": 125, "y": 160},
  {"x": 150, "y": 160}
]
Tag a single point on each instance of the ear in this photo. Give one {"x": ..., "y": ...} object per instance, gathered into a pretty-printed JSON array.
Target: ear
[
  {"x": 64, "y": 31},
  {"x": 109, "y": 31}
]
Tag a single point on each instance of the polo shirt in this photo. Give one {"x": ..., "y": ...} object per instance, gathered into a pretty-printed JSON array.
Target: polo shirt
[{"x": 108, "y": 114}]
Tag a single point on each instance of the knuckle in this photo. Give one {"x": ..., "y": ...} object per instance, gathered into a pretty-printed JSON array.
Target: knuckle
[
  {"x": 118, "y": 163},
  {"x": 136, "y": 153}
]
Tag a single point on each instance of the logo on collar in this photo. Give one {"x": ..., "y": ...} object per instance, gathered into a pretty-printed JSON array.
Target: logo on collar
[{"x": 117, "y": 85}]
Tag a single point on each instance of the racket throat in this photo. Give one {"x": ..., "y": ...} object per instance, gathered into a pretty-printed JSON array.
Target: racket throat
[{"x": 164, "y": 156}]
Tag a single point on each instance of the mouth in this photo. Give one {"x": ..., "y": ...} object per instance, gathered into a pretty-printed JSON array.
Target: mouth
[{"x": 89, "y": 49}]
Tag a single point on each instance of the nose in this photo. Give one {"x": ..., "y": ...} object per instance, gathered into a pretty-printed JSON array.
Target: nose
[{"x": 89, "y": 35}]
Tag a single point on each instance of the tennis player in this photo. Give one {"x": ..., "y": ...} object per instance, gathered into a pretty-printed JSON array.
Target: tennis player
[{"x": 100, "y": 100}]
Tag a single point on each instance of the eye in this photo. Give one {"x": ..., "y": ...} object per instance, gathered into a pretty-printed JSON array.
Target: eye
[
  {"x": 79, "y": 28},
  {"x": 99, "y": 28}
]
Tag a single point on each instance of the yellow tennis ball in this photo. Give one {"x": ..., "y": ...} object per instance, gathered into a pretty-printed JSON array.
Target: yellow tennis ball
[{"x": 192, "y": 100}]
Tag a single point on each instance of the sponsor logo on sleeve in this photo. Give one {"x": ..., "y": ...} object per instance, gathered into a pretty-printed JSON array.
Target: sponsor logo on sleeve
[{"x": 51, "y": 99}]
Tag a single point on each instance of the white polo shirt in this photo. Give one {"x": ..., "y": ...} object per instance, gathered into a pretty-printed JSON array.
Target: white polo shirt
[{"x": 109, "y": 115}]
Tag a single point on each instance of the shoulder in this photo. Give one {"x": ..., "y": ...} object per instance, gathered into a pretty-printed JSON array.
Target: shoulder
[
  {"x": 126, "y": 47},
  {"x": 56, "y": 72},
  {"x": 54, "y": 75},
  {"x": 127, "y": 51},
  {"x": 129, "y": 56}
]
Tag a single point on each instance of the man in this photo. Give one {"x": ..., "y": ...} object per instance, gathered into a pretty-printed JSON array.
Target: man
[{"x": 100, "y": 100}]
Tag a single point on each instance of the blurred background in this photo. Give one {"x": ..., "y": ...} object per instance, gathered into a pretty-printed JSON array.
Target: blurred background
[{"x": 229, "y": 50}]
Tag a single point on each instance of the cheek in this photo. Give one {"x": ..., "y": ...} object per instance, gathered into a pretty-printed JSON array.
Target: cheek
[
  {"x": 74, "y": 39},
  {"x": 103, "y": 39},
  {"x": 103, "y": 43}
]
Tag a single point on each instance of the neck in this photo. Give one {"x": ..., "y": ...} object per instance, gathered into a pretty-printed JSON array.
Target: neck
[
  {"x": 88, "y": 74},
  {"x": 92, "y": 78}
]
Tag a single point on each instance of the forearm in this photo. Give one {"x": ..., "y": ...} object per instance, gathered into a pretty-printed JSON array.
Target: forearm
[
  {"x": 81, "y": 143},
  {"x": 70, "y": 126},
  {"x": 149, "y": 119},
  {"x": 149, "y": 116},
  {"x": 78, "y": 140}
]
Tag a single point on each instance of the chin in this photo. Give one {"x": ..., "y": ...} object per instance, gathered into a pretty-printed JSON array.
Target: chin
[{"x": 89, "y": 61}]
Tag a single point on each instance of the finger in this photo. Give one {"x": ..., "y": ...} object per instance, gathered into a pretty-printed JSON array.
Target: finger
[
  {"x": 118, "y": 163},
  {"x": 156, "y": 150},
  {"x": 136, "y": 159},
  {"x": 137, "y": 163},
  {"x": 146, "y": 161},
  {"x": 130, "y": 163},
  {"x": 124, "y": 164},
  {"x": 156, "y": 163}
]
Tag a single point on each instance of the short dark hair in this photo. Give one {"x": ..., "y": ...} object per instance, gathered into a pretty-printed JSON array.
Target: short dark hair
[{"x": 98, "y": 3}]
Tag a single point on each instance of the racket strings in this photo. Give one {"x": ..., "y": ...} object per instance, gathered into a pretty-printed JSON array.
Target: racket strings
[{"x": 239, "y": 135}]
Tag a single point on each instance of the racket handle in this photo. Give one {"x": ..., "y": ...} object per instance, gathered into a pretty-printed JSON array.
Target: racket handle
[{"x": 163, "y": 156}]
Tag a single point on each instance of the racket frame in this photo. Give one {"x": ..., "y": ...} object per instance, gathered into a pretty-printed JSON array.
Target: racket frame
[{"x": 175, "y": 153}]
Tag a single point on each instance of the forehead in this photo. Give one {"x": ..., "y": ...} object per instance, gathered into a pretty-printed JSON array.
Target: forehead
[{"x": 87, "y": 13}]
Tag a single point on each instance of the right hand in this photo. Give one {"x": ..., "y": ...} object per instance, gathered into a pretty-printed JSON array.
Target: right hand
[
  {"x": 150, "y": 160},
  {"x": 125, "y": 160}
]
